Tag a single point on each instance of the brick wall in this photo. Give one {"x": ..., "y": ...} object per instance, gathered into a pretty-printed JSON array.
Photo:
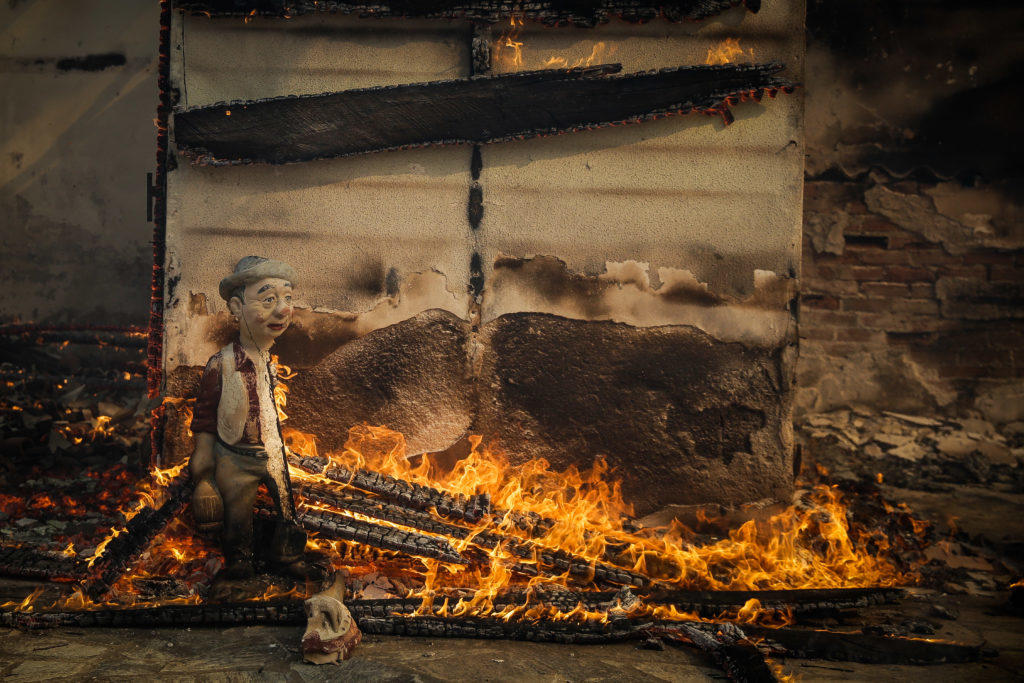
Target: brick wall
[{"x": 904, "y": 307}]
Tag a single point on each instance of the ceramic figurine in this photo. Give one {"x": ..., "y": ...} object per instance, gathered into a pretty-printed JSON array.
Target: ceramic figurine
[{"x": 236, "y": 425}]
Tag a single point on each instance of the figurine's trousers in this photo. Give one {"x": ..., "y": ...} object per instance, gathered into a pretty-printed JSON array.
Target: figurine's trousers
[{"x": 238, "y": 477}]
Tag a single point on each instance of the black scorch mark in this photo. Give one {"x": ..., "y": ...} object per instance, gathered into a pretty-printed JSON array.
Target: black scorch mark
[{"x": 97, "y": 62}]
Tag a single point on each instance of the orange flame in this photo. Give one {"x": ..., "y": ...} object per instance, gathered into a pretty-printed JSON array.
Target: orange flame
[{"x": 726, "y": 52}]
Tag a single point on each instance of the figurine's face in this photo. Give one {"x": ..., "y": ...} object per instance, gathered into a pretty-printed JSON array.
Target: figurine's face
[{"x": 266, "y": 311}]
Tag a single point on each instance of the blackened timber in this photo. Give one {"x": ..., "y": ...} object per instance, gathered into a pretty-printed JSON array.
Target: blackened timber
[
  {"x": 860, "y": 647},
  {"x": 399, "y": 491},
  {"x": 796, "y": 601},
  {"x": 30, "y": 563},
  {"x": 740, "y": 660},
  {"x": 584, "y": 13},
  {"x": 481, "y": 109},
  {"x": 550, "y": 560},
  {"x": 122, "y": 550},
  {"x": 332, "y": 525}
]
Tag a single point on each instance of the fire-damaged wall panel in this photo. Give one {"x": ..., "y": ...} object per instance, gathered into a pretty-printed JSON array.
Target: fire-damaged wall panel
[
  {"x": 376, "y": 240},
  {"x": 622, "y": 292},
  {"x": 663, "y": 258}
]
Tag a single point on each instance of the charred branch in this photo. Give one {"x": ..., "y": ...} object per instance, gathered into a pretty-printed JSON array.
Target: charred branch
[
  {"x": 482, "y": 109},
  {"x": 551, "y": 12}
]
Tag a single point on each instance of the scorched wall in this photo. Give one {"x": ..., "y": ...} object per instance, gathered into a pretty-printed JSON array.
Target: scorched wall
[{"x": 625, "y": 292}]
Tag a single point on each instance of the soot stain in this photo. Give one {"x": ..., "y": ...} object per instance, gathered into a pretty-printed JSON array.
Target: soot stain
[{"x": 95, "y": 62}]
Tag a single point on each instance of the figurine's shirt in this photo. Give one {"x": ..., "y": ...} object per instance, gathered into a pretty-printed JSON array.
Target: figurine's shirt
[{"x": 204, "y": 419}]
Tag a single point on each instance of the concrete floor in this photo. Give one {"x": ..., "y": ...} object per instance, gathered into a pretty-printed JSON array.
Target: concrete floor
[{"x": 272, "y": 653}]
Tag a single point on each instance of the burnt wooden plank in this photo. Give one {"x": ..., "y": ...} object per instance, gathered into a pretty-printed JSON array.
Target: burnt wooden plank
[
  {"x": 483, "y": 109},
  {"x": 551, "y": 12},
  {"x": 861, "y": 647}
]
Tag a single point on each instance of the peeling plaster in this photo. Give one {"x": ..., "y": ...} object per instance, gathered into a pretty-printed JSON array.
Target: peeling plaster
[{"x": 624, "y": 293}]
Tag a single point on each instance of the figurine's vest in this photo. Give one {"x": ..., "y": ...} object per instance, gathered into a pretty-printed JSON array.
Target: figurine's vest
[
  {"x": 233, "y": 409},
  {"x": 233, "y": 412}
]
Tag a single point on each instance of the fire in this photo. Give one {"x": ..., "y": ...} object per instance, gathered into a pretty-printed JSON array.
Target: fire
[
  {"x": 597, "y": 54},
  {"x": 507, "y": 49},
  {"x": 509, "y": 53},
  {"x": 726, "y": 52},
  {"x": 813, "y": 546}
]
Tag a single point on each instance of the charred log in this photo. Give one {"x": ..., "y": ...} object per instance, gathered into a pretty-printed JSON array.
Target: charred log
[
  {"x": 800, "y": 601},
  {"x": 124, "y": 549},
  {"x": 396, "y": 490},
  {"x": 332, "y": 525},
  {"x": 30, "y": 563},
  {"x": 549, "y": 561},
  {"x": 740, "y": 660},
  {"x": 482, "y": 109}
]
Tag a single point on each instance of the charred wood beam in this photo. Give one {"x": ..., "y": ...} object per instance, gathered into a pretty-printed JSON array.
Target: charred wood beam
[
  {"x": 125, "y": 548},
  {"x": 398, "y": 491},
  {"x": 30, "y": 563},
  {"x": 861, "y": 647},
  {"x": 550, "y": 12},
  {"x": 345, "y": 528},
  {"x": 740, "y": 660},
  {"x": 379, "y": 616},
  {"x": 798, "y": 601},
  {"x": 550, "y": 561},
  {"x": 482, "y": 109}
]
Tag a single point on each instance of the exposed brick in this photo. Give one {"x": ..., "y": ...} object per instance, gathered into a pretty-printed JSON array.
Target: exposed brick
[
  {"x": 884, "y": 289},
  {"x": 908, "y": 274},
  {"x": 868, "y": 305},
  {"x": 921, "y": 290},
  {"x": 859, "y": 334},
  {"x": 880, "y": 257},
  {"x": 964, "y": 371},
  {"x": 918, "y": 306},
  {"x": 824, "y": 301},
  {"x": 836, "y": 287},
  {"x": 975, "y": 272},
  {"x": 817, "y": 333},
  {"x": 816, "y": 318},
  {"x": 989, "y": 258},
  {"x": 834, "y": 272},
  {"x": 868, "y": 273},
  {"x": 845, "y": 348},
  {"x": 932, "y": 257},
  {"x": 892, "y": 322},
  {"x": 872, "y": 225},
  {"x": 1006, "y": 274}
]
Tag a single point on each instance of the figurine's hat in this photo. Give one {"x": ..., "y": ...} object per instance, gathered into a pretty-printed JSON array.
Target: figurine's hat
[{"x": 253, "y": 269}]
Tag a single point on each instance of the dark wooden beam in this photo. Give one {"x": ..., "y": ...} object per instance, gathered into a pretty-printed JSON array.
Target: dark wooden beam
[
  {"x": 550, "y": 12},
  {"x": 482, "y": 109}
]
